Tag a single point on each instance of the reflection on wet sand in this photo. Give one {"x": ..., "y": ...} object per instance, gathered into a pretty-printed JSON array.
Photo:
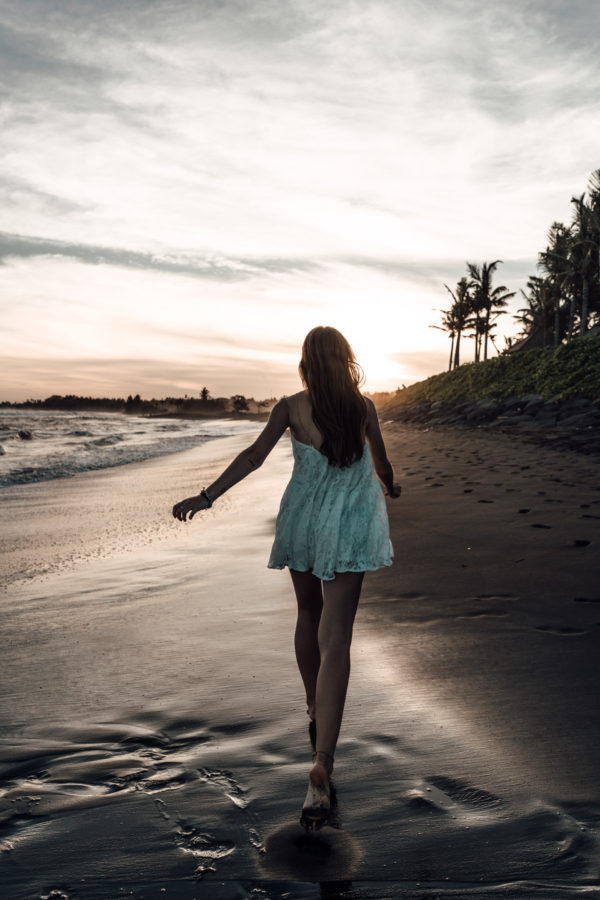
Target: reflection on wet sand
[{"x": 154, "y": 726}]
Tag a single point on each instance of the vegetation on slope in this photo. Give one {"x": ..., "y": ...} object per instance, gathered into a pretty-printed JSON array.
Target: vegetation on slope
[{"x": 570, "y": 370}]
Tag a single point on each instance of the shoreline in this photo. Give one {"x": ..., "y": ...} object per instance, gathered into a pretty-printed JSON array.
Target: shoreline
[
  {"x": 153, "y": 718},
  {"x": 93, "y": 514},
  {"x": 150, "y": 414}
]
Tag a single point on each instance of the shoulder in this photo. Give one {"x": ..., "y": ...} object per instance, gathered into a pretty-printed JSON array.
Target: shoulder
[
  {"x": 371, "y": 411},
  {"x": 281, "y": 408}
]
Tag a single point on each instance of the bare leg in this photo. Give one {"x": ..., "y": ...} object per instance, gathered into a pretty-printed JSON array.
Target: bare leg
[
  {"x": 310, "y": 604},
  {"x": 340, "y": 601}
]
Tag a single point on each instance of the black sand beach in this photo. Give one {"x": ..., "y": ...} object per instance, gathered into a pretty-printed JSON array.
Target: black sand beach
[{"x": 154, "y": 731}]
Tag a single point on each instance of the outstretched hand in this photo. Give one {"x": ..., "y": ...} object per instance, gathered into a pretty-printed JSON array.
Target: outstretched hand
[
  {"x": 190, "y": 507},
  {"x": 395, "y": 491}
]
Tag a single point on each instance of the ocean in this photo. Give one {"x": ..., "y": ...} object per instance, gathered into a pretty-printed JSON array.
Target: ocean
[{"x": 40, "y": 445}]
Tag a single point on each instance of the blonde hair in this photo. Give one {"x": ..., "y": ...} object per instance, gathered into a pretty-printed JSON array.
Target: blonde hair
[{"x": 332, "y": 376}]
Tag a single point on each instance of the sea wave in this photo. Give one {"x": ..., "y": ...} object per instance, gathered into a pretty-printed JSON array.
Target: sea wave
[{"x": 60, "y": 445}]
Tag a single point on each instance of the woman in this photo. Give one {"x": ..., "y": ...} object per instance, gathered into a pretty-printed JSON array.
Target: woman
[{"x": 332, "y": 527}]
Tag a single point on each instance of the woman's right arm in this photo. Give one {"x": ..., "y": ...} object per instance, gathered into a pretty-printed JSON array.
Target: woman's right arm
[
  {"x": 245, "y": 462},
  {"x": 381, "y": 463}
]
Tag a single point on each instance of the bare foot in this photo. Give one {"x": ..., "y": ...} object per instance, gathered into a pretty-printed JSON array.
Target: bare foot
[{"x": 317, "y": 804}]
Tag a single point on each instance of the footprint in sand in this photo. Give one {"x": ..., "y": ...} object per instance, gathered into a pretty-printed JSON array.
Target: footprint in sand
[
  {"x": 562, "y": 630},
  {"x": 419, "y": 803},
  {"x": 464, "y": 793},
  {"x": 483, "y": 614},
  {"x": 161, "y": 808},
  {"x": 227, "y": 784},
  {"x": 204, "y": 847}
]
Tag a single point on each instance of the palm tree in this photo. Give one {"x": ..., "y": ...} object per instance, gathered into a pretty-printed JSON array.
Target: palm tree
[
  {"x": 462, "y": 308},
  {"x": 448, "y": 324},
  {"x": 485, "y": 300},
  {"x": 554, "y": 263},
  {"x": 572, "y": 259},
  {"x": 585, "y": 246},
  {"x": 539, "y": 312},
  {"x": 593, "y": 190}
]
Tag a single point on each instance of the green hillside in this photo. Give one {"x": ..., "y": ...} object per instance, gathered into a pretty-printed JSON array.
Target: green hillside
[{"x": 570, "y": 370}]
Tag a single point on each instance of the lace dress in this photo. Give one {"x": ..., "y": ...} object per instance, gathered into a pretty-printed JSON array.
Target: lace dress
[{"x": 331, "y": 519}]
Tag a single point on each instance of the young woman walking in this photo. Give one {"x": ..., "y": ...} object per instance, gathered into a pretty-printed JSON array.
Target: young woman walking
[{"x": 332, "y": 527}]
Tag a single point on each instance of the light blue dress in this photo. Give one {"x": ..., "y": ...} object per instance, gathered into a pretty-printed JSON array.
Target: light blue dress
[{"x": 331, "y": 519}]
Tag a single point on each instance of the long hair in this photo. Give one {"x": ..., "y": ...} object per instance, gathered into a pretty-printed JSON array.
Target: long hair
[{"x": 332, "y": 377}]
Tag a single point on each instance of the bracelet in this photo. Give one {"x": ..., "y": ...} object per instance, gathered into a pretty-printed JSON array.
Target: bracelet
[{"x": 204, "y": 493}]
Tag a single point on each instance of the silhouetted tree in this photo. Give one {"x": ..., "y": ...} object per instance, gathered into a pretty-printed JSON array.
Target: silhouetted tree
[
  {"x": 239, "y": 403},
  {"x": 461, "y": 311},
  {"x": 485, "y": 301}
]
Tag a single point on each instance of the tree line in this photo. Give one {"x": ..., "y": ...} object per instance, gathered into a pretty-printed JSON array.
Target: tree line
[
  {"x": 135, "y": 404},
  {"x": 562, "y": 300}
]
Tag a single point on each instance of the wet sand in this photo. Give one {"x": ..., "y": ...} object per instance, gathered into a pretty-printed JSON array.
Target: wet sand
[{"x": 154, "y": 732}]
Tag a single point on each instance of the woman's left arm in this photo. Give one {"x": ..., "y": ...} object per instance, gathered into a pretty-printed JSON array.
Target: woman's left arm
[
  {"x": 246, "y": 462},
  {"x": 381, "y": 463}
]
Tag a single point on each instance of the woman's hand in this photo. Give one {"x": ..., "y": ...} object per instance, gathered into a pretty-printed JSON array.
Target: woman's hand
[
  {"x": 395, "y": 491},
  {"x": 190, "y": 506}
]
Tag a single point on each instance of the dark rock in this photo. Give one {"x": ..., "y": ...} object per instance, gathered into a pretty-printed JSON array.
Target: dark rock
[
  {"x": 583, "y": 419},
  {"x": 25, "y": 435},
  {"x": 482, "y": 411},
  {"x": 534, "y": 406},
  {"x": 545, "y": 417},
  {"x": 512, "y": 403},
  {"x": 523, "y": 419},
  {"x": 515, "y": 420},
  {"x": 573, "y": 405}
]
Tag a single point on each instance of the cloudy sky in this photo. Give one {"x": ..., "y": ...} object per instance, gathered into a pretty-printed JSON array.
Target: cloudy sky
[{"x": 187, "y": 187}]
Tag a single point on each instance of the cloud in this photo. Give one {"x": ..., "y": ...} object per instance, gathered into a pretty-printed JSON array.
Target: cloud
[
  {"x": 262, "y": 162},
  {"x": 15, "y": 245}
]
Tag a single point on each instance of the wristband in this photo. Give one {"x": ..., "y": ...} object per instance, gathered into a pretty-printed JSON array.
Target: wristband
[{"x": 204, "y": 493}]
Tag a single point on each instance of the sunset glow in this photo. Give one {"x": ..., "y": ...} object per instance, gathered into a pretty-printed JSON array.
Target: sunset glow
[{"x": 189, "y": 188}]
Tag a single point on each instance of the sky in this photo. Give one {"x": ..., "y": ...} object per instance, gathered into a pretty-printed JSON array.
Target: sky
[{"x": 188, "y": 187}]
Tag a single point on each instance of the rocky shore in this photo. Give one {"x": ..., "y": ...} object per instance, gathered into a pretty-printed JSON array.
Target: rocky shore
[{"x": 572, "y": 422}]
